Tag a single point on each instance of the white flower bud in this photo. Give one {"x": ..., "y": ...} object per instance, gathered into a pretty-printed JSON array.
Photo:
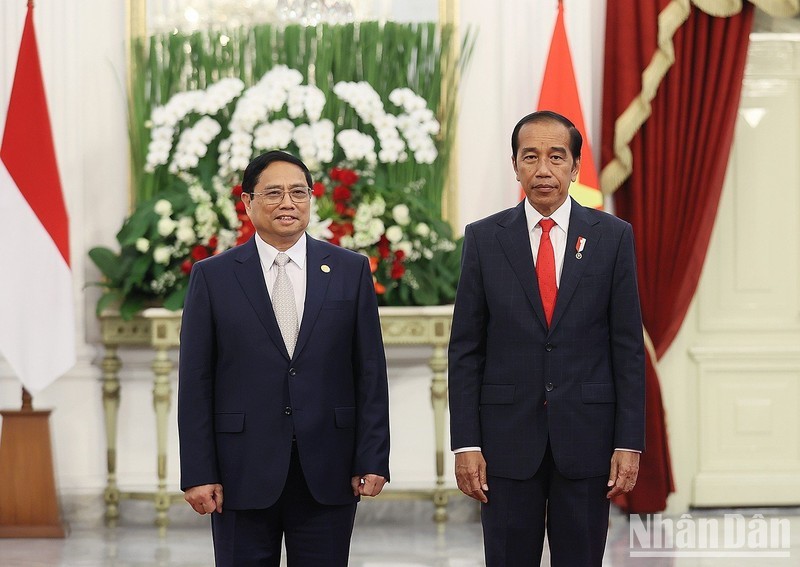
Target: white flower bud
[
  {"x": 166, "y": 226},
  {"x": 185, "y": 234},
  {"x": 142, "y": 245},
  {"x": 401, "y": 215},
  {"x": 161, "y": 255},
  {"x": 394, "y": 234},
  {"x": 163, "y": 208},
  {"x": 422, "y": 229}
]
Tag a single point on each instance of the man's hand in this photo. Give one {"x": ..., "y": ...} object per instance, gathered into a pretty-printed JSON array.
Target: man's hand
[
  {"x": 367, "y": 485},
  {"x": 205, "y": 499},
  {"x": 624, "y": 471},
  {"x": 471, "y": 475}
]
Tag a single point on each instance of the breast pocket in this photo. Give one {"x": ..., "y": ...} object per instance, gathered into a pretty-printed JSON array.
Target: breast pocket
[
  {"x": 339, "y": 304},
  {"x": 593, "y": 280}
]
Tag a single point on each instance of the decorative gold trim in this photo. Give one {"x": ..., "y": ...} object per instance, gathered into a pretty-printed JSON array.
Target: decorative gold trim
[
  {"x": 632, "y": 118},
  {"x": 449, "y": 14},
  {"x": 136, "y": 26},
  {"x": 628, "y": 123}
]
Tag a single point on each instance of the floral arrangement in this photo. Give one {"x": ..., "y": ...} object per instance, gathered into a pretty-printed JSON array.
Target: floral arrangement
[
  {"x": 161, "y": 240},
  {"x": 201, "y": 141}
]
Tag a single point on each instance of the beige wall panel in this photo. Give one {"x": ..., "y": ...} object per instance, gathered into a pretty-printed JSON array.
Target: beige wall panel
[
  {"x": 753, "y": 280},
  {"x": 743, "y": 338}
]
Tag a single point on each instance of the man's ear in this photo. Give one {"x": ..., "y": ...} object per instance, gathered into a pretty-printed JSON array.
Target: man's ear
[
  {"x": 514, "y": 165},
  {"x": 576, "y": 167}
]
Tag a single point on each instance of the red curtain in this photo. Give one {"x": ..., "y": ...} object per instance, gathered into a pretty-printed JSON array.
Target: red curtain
[{"x": 679, "y": 159}]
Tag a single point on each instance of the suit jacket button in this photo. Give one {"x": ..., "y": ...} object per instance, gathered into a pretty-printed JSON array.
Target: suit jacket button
[
  {"x": 548, "y": 347},
  {"x": 292, "y": 372},
  {"x": 287, "y": 410},
  {"x": 549, "y": 386}
]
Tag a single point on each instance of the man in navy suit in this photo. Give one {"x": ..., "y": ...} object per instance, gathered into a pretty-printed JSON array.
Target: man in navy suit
[
  {"x": 283, "y": 398},
  {"x": 546, "y": 361}
]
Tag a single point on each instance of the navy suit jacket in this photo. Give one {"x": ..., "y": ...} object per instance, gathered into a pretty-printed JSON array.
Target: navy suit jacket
[
  {"x": 515, "y": 384},
  {"x": 241, "y": 398}
]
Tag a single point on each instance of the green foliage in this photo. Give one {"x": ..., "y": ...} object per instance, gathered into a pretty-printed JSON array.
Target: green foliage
[
  {"x": 424, "y": 57},
  {"x": 158, "y": 243}
]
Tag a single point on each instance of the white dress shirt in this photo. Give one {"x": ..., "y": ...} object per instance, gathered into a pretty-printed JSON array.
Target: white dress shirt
[
  {"x": 558, "y": 234},
  {"x": 295, "y": 269}
]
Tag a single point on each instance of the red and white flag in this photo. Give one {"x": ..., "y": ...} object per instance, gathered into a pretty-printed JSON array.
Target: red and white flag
[
  {"x": 37, "y": 321},
  {"x": 560, "y": 94}
]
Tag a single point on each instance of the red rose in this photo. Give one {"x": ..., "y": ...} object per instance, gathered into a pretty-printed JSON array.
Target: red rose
[
  {"x": 341, "y": 194},
  {"x": 246, "y": 230},
  {"x": 348, "y": 176},
  {"x": 199, "y": 253},
  {"x": 399, "y": 255},
  {"x": 337, "y": 230},
  {"x": 336, "y": 173},
  {"x": 318, "y": 190},
  {"x": 398, "y": 269},
  {"x": 186, "y": 266},
  {"x": 236, "y": 191},
  {"x": 240, "y": 209},
  {"x": 341, "y": 208},
  {"x": 213, "y": 242},
  {"x": 383, "y": 247}
]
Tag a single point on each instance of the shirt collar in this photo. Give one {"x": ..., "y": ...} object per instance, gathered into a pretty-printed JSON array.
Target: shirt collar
[
  {"x": 560, "y": 215},
  {"x": 267, "y": 252}
]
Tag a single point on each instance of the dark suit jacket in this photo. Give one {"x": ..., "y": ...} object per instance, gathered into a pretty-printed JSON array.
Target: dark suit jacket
[
  {"x": 513, "y": 383},
  {"x": 241, "y": 398}
]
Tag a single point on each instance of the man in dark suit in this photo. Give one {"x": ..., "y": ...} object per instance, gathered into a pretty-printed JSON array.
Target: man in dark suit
[
  {"x": 546, "y": 371},
  {"x": 282, "y": 400}
]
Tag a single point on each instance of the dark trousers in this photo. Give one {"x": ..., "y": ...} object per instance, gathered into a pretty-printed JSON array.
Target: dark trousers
[
  {"x": 574, "y": 513},
  {"x": 316, "y": 535}
]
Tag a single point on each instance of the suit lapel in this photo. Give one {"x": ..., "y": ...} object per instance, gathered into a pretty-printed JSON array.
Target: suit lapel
[
  {"x": 316, "y": 287},
  {"x": 251, "y": 278},
  {"x": 573, "y": 268},
  {"x": 516, "y": 244}
]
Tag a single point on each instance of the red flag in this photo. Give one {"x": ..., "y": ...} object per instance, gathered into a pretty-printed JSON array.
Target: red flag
[
  {"x": 560, "y": 94},
  {"x": 37, "y": 326}
]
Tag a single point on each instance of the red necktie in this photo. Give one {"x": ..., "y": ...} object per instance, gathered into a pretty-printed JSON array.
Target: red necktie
[{"x": 546, "y": 270}]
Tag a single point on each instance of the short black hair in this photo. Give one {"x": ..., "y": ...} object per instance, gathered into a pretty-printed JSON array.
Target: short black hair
[
  {"x": 262, "y": 162},
  {"x": 575, "y": 138}
]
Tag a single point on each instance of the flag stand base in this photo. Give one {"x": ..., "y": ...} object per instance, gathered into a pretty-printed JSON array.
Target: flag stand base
[{"x": 30, "y": 507}]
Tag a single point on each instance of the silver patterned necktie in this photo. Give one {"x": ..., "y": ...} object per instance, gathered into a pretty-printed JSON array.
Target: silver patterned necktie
[{"x": 284, "y": 304}]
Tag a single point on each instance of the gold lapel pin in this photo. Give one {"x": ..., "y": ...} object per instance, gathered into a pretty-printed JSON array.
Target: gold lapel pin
[{"x": 325, "y": 268}]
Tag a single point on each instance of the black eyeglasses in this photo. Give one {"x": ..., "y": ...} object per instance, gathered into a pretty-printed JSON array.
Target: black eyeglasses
[{"x": 275, "y": 196}]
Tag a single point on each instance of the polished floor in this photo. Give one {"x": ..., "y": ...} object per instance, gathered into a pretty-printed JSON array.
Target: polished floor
[{"x": 379, "y": 540}]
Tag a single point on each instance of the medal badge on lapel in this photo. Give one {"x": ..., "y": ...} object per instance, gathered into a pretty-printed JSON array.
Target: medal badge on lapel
[{"x": 579, "y": 247}]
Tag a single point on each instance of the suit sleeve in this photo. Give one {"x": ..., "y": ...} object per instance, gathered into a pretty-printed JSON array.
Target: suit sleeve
[
  {"x": 627, "y": 348},
  {"x": 467, "y": 349},
  {"x": 196, "y": 372},
  {"x": 371, "y": 385}
]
